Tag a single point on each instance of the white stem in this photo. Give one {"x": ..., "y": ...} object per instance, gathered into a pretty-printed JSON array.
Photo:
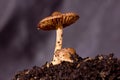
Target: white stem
[{"x": 59, "y": 37}]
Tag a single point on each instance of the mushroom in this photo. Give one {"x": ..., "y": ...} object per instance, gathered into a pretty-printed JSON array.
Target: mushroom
[
  {"x": 65, "y": 54},
  {"x": 57, "y": 21}
]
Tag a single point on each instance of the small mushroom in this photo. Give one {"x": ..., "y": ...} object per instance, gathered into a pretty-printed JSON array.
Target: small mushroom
[
  {"x": 57, "y": 21},
  {"x": 65, "y": 54}
]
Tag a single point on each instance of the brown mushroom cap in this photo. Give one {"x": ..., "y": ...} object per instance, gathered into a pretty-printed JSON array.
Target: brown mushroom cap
[{"x": 57, "y": 19}]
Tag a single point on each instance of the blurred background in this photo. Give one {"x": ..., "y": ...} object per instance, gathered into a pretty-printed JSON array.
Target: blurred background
[{"x": 22, "y": 46}]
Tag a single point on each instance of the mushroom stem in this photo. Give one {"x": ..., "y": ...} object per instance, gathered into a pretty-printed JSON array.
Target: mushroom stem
[{"x": 59, "y": 37}]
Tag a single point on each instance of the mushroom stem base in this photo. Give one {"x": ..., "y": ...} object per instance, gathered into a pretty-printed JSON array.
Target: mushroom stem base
[{"x": 65, "y": 54}]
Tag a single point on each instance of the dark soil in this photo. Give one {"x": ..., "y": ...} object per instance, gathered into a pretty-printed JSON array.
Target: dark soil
[{"x": 102, "y": 67}]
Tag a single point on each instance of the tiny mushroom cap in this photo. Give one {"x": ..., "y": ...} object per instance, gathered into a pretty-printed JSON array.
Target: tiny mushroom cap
[
  {"x": 65, "y": 54},
  {"x": 57, "y": 19}
]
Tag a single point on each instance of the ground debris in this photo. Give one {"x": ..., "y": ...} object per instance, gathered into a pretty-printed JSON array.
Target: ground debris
[{"x": 102, "y": 67}]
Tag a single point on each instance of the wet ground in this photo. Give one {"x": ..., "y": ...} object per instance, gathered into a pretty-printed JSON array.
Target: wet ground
[{"x": 102, "y": 67}]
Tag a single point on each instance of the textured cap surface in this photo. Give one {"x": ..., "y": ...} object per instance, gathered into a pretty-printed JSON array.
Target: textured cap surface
[{"x": 57, "y": 19}]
